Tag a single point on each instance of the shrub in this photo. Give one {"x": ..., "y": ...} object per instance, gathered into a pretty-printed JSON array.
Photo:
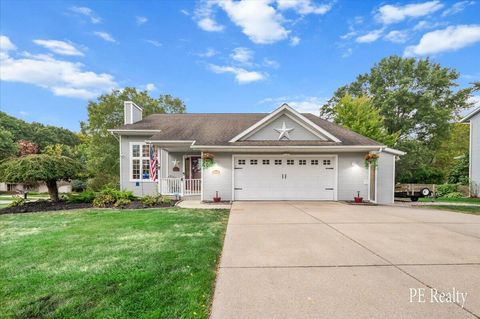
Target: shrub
[
  {"x": 165, "y": 200},
  {"x": 453, "y": 195},
  {"x": 445, "y": 189},
  {"x": 121, "y": 202},
  {"x": 79, "y": 185},
  {"x": 17, "y": 201},
  {"x": 103, "y": 200},
  {"x": 109, "y": 196},
  {"x": 85, "y": 197},
  {"x": 150, "y": 200}
]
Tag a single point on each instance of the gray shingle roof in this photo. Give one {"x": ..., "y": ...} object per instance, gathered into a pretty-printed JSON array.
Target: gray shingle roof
[{"x": 218, "y": 129}]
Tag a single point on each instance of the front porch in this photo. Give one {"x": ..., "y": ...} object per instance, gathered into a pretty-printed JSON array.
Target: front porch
[
  {"x": 179, "y": 171},
  {"x": 180, "y": 186}
]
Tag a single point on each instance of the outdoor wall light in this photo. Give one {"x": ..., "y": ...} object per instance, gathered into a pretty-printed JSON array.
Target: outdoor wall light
[
  {"x": 216, "y": 172},
  {"x": 354, "y": 164}
]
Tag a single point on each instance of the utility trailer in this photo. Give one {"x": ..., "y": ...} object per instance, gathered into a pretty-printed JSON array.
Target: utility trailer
[{"x": 414, "y": 191}]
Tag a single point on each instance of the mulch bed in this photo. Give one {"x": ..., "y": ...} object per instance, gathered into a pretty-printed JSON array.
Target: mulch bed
[{"x": 45, "y": 205}]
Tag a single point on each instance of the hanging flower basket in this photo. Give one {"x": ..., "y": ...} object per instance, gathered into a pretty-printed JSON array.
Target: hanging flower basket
[
  {"x": 371, "y": 159},
  {"x": 207, "y": 160}
]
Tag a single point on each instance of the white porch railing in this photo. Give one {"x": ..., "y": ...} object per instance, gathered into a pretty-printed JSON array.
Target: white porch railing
[{"x": 180, "y": 186}]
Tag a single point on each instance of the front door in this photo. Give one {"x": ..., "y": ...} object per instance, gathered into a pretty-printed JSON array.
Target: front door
[{"x": 193, "y": 169}]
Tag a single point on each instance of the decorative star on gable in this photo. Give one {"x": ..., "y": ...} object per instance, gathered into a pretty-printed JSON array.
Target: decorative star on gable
[{"x": 284, "y": 131}]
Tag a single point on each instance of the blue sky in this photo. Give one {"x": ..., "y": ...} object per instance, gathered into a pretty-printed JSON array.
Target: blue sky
[{"x": 218, "y": 56}]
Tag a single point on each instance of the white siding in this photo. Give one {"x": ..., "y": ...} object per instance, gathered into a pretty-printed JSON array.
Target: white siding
[
  {"x": 475, "y": 153},
  {"x": 139, "y": 188},
  {"x": 385, "y": 178},
  {"x": 218, "y": 182},
  {"x": 352, "y": 178}
]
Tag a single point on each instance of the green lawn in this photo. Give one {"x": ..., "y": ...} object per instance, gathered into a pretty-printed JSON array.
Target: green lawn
[
  {"x": 475, "y": 210},
  {"x": 157, "y": 263},
  {"x": 452, "y": 200}
]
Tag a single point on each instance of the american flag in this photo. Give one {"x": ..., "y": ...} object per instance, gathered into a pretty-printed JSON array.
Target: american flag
[{"x": 153, "y": 163}]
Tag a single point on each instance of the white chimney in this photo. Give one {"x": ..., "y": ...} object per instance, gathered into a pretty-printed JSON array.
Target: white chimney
[{"x": 132, "y": 112}]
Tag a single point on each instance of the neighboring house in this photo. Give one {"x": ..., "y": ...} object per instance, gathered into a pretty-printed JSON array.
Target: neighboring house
[
  {"x": 63, "y": 187},
  {"x": 474, "y": 172},
  {"x": 283, "y": 155}
]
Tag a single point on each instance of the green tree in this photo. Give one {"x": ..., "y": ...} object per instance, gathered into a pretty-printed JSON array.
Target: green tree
[
  {"x": 455, "y": 145},
  {"x": 40, "y": 134},
  {"x": 107, "y": 113},
  {"x": 40, "y": 168},
  {"x": 417, "y": 98},
  {"x": 8, "y": 147},
  {"x": 460, "y": 170},
  {"x": 359, "y": 115}
]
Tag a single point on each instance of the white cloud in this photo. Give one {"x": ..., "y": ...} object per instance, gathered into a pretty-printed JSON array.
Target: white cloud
[
  {"x": 449, "y": 39},
  {"x": 260, "y": 20},
  {"x": 208, "y": 53},
  {"x": 242, "y": 55},
  {"x": 23, "y": 113},
  {"x": 348, "y": 35},
  {"x": 208, "y": 24},
  {"x": 257, "y": 19},
  {"x": 204, "y": 16},
  {"x": 105, "y": 36},
  {"x": 242, "y": 76},
  {"x": 271, "y": 63},
  {"x": 185, "y": 12},
  {"x": 424, "y": 25},
  {"x": 155, "y": 43},
  {"x": 6, "y": 45},
  {"x": 388, "y": 14},
  {"x": 294, "y": 41},
  {"x": 371, "y": 36},
  {"x": 303, "y": 6},
  {"x": 62, "y": 78},
  {"x": 87, "y": 12},
  {"x": 457, "y": 7},
  {"x": 397, "y": 36},
  {"x": 59, "y": 47},
  {"x": 141, "y": 20},
  {"x": 150, "y": 87},
  {"x": 301, "y": 103}
]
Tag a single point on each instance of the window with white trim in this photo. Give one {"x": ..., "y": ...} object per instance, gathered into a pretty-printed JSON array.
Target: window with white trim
[
  {"x": 314, "y": 162},
  {"x": 253, "y": 162},
  {"x": 302, "y": 162},
  {"x": 290, "y": 161},
  {"x": 278, "y": 162},
  {"x": 327, "y": 162},
  {"x": 241, "y": 162},
  {"x": 140, "y": 161},
  {"x": 266, "y": 162}
]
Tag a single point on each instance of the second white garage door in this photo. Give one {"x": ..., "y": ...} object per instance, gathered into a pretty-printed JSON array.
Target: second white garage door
[{"x": 284, "y": 177}]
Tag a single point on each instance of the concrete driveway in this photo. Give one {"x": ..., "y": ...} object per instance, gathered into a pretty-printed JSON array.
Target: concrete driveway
[{"x": 333, "y": 260}]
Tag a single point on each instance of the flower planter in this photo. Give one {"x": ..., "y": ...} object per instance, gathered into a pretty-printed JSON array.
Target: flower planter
[{"x": 358, "y": 200}]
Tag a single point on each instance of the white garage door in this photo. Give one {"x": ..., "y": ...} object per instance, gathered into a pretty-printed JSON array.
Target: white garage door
[{"x": 284, "y": 177}]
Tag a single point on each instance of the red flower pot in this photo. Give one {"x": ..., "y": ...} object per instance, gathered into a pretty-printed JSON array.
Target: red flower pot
[{"x": 358, "y": 199}]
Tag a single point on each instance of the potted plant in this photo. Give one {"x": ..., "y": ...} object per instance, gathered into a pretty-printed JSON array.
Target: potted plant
[
  {"x": 357, "y": 198},
  {"x": 371, "y": 159},
  {"x": 217, "y": 199},
  {"x": 207, "y": 160}
]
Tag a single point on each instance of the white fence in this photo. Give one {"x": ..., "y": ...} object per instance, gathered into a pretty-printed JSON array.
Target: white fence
[{"x": 180, "y": 186}]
